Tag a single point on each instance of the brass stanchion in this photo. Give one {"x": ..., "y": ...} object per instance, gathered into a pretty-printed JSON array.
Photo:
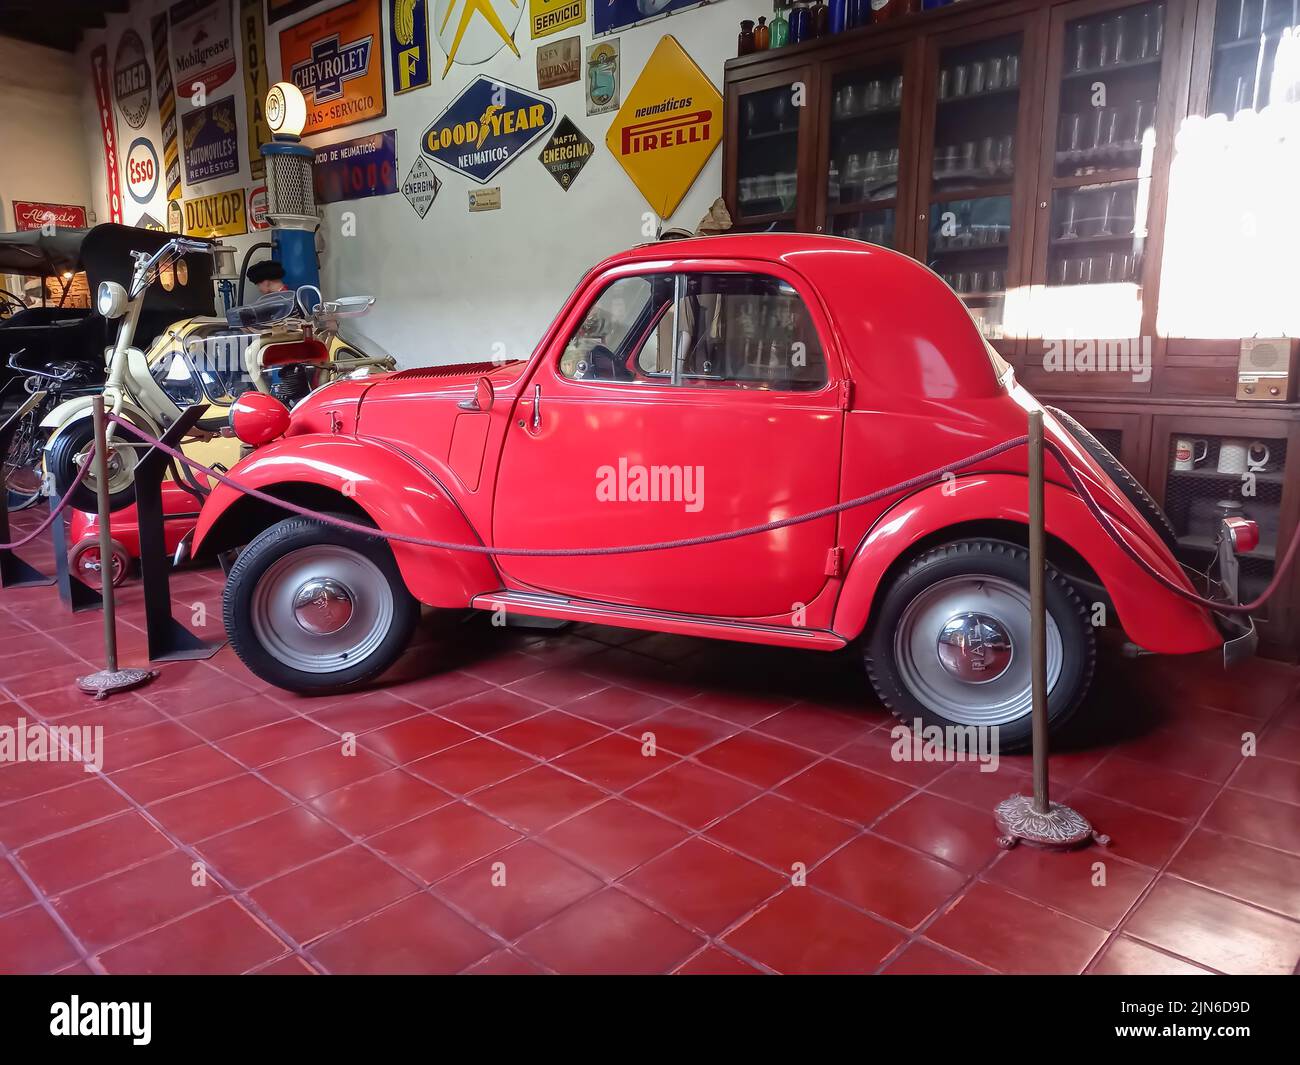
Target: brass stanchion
[
  {"x": 109, "y": 679},
  {"x": 1036, "y": 819}
]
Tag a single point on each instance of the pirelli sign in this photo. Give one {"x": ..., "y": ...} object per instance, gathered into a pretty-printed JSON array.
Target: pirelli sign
[{"x": 669, "y": 125}]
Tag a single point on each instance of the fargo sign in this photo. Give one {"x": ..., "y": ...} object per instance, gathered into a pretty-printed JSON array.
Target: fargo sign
[{"x": 485, "y": 127}]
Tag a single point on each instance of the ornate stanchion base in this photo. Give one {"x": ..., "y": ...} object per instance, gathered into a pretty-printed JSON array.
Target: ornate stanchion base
[
  {"x": 1061, "y": 827},
  {"x": 102, "y": 684}
]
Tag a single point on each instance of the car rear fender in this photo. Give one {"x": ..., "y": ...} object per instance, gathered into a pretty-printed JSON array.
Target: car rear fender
[
  {"x": 1153, "y": 617},
  {"x": 393, "y": 492}
]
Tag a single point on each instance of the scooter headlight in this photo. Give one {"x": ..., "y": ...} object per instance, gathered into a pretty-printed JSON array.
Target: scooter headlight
[{"x": 110, "y": 300}]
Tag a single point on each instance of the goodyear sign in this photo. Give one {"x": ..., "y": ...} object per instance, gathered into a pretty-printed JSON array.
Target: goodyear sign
[
  {"x": 485, "y": 127},
  {"x": 550, "y": 16},
  {"x": 408, "y": 39},
  {"x": 668, "y": 126},
  {"x": 219, "y": 215}
]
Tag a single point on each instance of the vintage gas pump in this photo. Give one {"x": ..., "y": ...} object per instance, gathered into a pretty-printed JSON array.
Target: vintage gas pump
[{"x": 291, "y": 199}]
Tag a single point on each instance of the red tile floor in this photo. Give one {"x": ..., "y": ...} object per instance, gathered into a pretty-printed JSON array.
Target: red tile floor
[{"x": 497, "y": 812}]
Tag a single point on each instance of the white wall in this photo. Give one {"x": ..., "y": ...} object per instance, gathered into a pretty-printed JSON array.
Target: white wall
[
  {"x": 43, "y": 154},
  {"x": 455, "y": 284}
]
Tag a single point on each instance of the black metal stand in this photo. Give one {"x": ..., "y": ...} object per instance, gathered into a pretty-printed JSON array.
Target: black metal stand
[
  {"x": 169, "y": 640},
  {"x": 14, "y": 571},
  {"x": 77, "y": 596}
]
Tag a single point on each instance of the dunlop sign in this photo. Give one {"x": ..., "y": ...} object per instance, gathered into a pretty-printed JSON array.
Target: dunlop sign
[{"x": 219, "y": 215}]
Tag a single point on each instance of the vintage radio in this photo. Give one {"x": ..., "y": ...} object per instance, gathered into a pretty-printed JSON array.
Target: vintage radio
[{"x": 1266, "y": 369}]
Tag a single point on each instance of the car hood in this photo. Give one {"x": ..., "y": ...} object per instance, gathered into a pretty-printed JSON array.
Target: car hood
[{"x": 457, "y": 377}]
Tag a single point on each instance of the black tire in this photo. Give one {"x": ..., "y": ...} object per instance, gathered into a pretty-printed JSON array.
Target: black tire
[
  {"x": 62, "y": 456},
  {"x": 1004, "y": 569},
  {"x": 1125, "y": 481},
  {"x": 264, "y": 641}
]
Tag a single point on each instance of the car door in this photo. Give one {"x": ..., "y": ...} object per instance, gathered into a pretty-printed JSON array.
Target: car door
[{"x": 688, "y": 400}]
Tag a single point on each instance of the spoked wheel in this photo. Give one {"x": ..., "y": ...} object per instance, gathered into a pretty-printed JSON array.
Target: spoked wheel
[
  {"x": 68, "y": 450},
  {"x": 309, "y": 607},
  {"x": 950, "y": 644},
  {"x": 22, "y": 463},
  {"x": 84, "y": 561}
]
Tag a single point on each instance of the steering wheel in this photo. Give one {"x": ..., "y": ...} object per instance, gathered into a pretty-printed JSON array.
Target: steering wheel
[{"x": 601, "y": 364}]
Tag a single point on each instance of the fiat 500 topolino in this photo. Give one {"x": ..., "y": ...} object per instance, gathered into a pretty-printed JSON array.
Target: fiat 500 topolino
[{"x": 689, "y": 388}]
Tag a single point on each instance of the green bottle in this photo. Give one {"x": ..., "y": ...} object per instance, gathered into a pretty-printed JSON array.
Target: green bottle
[{"x": 780, "y": 28}]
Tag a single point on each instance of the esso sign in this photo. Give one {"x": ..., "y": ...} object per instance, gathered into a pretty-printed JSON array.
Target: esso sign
[{"x": 141, "y": 171}]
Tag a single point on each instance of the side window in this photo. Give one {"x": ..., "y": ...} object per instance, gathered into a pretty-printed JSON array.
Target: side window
[
  {"x": 622, "y": 322},
  {"x": 738, "y": 331}
]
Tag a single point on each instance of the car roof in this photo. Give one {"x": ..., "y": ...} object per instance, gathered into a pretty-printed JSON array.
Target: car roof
[{"x": 898, "y": 325}]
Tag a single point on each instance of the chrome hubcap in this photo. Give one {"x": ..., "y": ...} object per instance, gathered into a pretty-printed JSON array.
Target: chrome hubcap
[
  {"x": 975, "y": 648},
  {"x": 322, "y": 608},
  {"x": 957, "y": 649}
]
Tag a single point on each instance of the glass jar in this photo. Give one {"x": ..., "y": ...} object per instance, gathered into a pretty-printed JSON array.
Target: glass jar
[
  {"x": 745, "y": 40},
  {"x": 780, "y": 28},
  {"x": 762, "y": 35}
]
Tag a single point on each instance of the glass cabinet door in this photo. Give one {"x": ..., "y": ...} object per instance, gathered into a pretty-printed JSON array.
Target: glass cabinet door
[
  {"x": 971, "y": 176},
  {"x": 862, "y": 168},
  {"x": 770, "y": 120},
  {"x": 1092, "y": 238},
  {"x": 1256, "y": 58}
]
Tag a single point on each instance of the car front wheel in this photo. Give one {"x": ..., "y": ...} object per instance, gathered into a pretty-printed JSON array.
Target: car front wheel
[
  {"x": 950, "y": 642},
  {"x": 309, "y": 607}
]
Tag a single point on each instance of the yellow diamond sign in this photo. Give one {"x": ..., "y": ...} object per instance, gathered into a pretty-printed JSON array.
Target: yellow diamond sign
[{"x": 668, "y": 126}]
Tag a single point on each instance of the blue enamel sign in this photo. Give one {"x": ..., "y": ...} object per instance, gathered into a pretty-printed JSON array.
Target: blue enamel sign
[
  {"x": 485, "y": 127},
  {"x": 352, "y": 170}
]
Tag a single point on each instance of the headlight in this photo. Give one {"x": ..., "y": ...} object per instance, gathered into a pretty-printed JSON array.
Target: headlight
[{"x": 110, "y": 300}]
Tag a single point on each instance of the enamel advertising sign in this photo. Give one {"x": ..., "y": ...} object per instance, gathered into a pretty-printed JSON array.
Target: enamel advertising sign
[
  {"x": 421, "y": 186},
  {"x": 107, "y": 130},
  {"x": 550, "y": 16},
  {"x": 253, "y": 30},
  {"x": 166, "y": 105},
  {"x": 602, "y": 77},
  {"x": 219, "y": 215},
  {"x": 211, "y": 142},
  {"x": 337, "y": 60},
  {"x": 355, "y": 169},
  {"x": 408, "y": 39},
  {"x": 566, "y": 153},
  {"x": 132, "y": 82},
  {"x": 29, "y": 215},
  {"x": 473, "y": 31},
  {"x": 486, "y": 127},
  {"x": 559, "y": 62},
  {"x": 203, "y": 44},
  {"x": 141, "y": 170},
  {"x": 668, "y": 126},
  {"x": 610, "y": 16}
]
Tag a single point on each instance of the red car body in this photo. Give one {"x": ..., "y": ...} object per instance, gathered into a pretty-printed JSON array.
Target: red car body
[{"x": 912, "y": 386}]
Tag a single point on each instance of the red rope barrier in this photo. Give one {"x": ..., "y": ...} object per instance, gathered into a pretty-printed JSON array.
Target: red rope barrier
[
  {"x": 919, "y": 481},
  {"x": 62, "y": 505}
]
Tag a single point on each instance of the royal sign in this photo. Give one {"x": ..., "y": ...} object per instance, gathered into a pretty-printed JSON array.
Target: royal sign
[
  {"x": 485, "y": 127},
  {"x": 337, "y": 60},
  {"x": 203, "y": 44},
  {"x": 141, "y": 170},
  {"x": 211, "y": 142},
  {"x": 355, "y": 169},
  {"x": 668, "y": 126},
  {"x": 132, "y": 83},
  {"x": 29, "y": 215},
  {"x": 219, "y": 215}
]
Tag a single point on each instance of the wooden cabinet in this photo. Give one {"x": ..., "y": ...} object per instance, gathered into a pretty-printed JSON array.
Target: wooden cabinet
[{"x": 1029, "y": 153}]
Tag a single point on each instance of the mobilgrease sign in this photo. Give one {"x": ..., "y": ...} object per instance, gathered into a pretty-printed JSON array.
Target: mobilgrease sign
[{"x": 486, "y": 127}]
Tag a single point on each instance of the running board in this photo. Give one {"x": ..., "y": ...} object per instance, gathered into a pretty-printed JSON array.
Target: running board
[{"x": 627, "y": 617}]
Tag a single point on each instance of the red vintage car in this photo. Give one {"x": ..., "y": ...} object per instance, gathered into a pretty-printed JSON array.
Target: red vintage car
[{"x": 685, "y": 389}]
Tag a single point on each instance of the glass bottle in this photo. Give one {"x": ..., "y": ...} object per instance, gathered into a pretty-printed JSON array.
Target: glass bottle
[
  {"x": 839, "y": 16},
  {"x": 800, "y": 23},
  {"x": 884, "y": 10},
  {"x": 762, "y": 35},
  {"x": 819, "y": 19},
  {"x": 780, "y": 28},
  {"x": 745, "y": 40}
]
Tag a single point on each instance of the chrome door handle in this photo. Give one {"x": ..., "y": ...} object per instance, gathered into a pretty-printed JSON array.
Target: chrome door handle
[{"x": 537, "y": 407}]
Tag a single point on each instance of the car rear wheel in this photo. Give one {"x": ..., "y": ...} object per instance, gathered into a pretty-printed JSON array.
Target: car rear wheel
[
  {"x": 309, "y": 607},
  {"x": 950, "y": 642}
]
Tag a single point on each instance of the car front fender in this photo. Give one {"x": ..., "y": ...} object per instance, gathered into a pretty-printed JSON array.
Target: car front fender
[
  {"x": 397, "y": 494},
  {"x": 1153, "y": 617}
]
